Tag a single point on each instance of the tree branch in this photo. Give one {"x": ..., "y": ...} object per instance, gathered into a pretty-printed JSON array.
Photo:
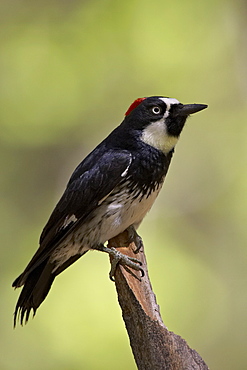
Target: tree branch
[{"x": 154, "y": 347}]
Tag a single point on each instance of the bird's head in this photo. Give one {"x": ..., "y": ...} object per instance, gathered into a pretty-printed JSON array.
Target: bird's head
[{"x": 159, "y": 120}]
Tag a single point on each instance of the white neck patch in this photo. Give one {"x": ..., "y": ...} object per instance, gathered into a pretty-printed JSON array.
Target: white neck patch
[{"x": 156, "y": 134}]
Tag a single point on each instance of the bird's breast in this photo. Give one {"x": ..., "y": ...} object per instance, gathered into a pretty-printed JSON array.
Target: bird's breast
[
  {"x": 119, "y": 210},
  {"x": 124, "y": 208}
]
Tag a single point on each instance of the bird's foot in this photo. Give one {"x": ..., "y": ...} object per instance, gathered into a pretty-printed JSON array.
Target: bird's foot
[
  {"x": 134, "y": 237},
  {"x": 119, "y": 258}
]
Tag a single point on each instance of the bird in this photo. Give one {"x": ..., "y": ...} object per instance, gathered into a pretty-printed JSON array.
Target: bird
[{"x": 109, "y": 192}]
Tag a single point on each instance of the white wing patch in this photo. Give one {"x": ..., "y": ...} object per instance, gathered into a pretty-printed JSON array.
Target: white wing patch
[
  {"x": 68, "y": 220},
  {"x": 127, "y": 168},
  {"x": 124, "y": 173}
]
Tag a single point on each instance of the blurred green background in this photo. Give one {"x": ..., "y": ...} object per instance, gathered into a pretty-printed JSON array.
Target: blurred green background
[{"x": 68, "y": 72}]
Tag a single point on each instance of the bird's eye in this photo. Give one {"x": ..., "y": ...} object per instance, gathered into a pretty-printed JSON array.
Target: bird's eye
[{"x": 156, "y": 110}]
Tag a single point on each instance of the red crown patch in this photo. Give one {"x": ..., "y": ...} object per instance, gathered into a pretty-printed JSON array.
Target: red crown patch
[{"x": 134, "y": 105}]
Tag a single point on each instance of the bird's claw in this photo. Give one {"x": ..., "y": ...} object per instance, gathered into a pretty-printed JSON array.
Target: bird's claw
[
  {"x": 136, "y": 238},
  {"x": 119, "y": 258}
]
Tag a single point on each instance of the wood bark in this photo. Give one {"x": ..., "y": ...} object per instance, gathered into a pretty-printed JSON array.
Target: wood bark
[{"x": 154, "y": 347}]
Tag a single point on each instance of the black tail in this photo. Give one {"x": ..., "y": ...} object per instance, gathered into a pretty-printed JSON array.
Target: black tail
[
  {"x": 36, "y": 288},
  {"x": 37, "y": 284}
]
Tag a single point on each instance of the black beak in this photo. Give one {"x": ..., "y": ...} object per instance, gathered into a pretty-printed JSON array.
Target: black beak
[{"x": 188, "y": 109}]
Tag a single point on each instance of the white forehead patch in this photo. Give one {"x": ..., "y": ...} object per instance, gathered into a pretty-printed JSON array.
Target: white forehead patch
[{"x": 169, "y": 102}]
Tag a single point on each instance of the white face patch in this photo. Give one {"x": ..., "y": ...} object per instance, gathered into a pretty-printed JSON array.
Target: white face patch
[{"x": 156, "y": 133}]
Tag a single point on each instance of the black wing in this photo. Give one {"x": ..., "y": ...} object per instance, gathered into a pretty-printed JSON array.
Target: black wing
[{"x": 92, "y": 181}]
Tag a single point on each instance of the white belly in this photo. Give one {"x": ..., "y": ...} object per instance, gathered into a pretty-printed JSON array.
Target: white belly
[
  {"x": 107, "y": 221},
  {"x": 112, "y": 217},
  {"x": 121, "y": 214}
]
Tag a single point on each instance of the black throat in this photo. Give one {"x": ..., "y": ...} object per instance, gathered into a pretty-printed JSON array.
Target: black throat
[{"x": 148, "y": 170}]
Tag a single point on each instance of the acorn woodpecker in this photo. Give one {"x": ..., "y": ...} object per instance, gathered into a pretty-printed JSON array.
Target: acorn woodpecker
[{"x": 110, "y": 191}]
